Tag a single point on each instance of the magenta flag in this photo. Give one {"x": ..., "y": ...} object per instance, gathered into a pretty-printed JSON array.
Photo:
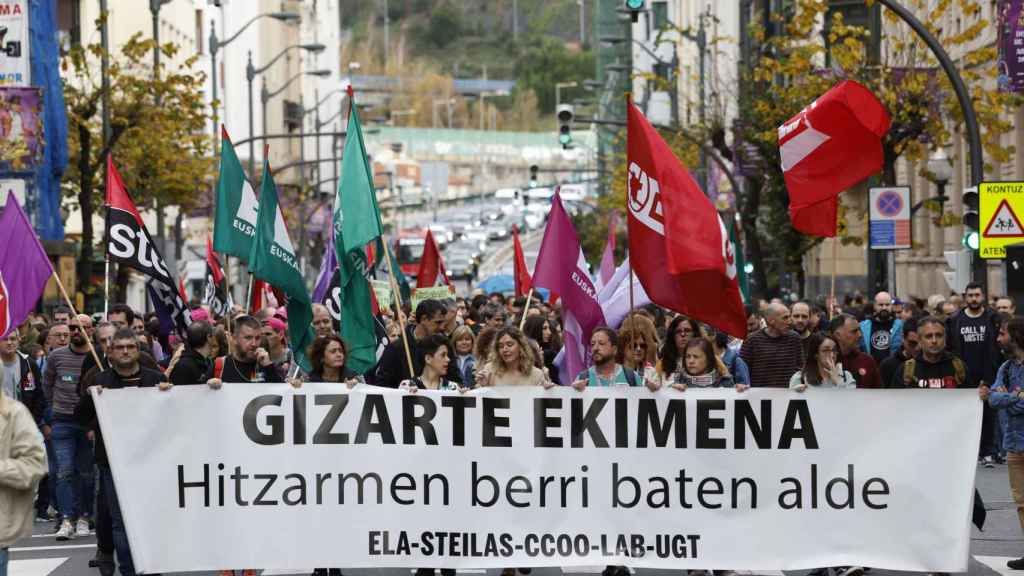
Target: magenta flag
[
  {"x": 562, "y": 269},
  {"x": 24, "y": 267},
  {"x": 608, "y": 258}
]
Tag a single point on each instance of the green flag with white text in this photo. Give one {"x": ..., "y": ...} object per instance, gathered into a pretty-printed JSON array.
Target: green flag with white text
[
  {"x": 272, "y": 259},
  {"x": 235, "y": 223},
  {"x": 356, "y": 224}
]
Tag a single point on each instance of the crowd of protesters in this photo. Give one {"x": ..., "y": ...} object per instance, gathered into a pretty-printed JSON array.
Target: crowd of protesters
[{"x": 50, "y": 363}]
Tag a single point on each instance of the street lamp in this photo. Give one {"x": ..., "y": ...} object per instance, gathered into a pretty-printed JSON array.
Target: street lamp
[
  {"x": 266, "y": 95},
  {"x": 250, "y": 74},
  {"x": 216, "y": 44},
  {"x": 941, "y": 171}
]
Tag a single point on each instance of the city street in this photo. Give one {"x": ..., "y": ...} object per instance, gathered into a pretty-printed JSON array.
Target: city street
[{"x": 1002, "y": 540}]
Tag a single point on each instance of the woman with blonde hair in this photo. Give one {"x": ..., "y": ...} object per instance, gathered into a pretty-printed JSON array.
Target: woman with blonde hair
[
  {"x": 463, "y": 341},
  {"x": 511, "y": 362}
]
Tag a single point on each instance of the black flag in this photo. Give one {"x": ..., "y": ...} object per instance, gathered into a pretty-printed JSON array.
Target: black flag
[{"x": 129, "y": 243}]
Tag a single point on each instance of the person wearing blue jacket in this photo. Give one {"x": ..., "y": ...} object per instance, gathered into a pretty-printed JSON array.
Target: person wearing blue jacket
[
  {"x": 882, "y": 334},
  {"x": 1007, "y": 394}
]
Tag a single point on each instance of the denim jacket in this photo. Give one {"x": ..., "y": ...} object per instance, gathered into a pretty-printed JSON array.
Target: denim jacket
[{"x": 1009, "y": 382}]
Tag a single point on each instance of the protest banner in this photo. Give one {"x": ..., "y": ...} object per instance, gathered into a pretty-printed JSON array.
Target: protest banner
[
  {"x": 432, "y": 293},
  {"x": 278, "y": 478}
]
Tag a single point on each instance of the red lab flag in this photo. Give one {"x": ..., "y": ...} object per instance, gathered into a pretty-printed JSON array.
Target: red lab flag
[
  {"x": 678, "y": 246},
  {"x": 828, "y": 147},
  {"x": 431, "y": 272},
  {"x": 521, "y": 274}
]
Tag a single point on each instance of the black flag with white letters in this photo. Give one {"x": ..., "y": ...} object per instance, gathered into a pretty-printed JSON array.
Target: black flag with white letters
[{"x": 129, "y": 243}]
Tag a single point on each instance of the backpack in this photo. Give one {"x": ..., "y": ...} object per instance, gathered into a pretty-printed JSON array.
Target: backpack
[{"x": 959, "y": 371}]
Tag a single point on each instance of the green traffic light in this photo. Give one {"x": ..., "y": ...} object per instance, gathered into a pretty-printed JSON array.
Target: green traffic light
[
  {"x": 972, "y": 240},
  {"x": 748, "y": 268},
  {"x": 565, "y": 139},
  {"x": 634, "y": 4}
]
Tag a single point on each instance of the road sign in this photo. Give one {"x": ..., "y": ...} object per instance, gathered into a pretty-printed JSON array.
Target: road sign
[
  {"x": 1000, "y": 206},
  {"x": 889, "y": 223}
]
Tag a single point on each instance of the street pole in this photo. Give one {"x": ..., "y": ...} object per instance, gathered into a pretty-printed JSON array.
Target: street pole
[
  {"x": 978, "y": 266},
  {"x": 583, "y": 35},
  {"x": 263, "y": 105},
  {"x": 250, "y": 74},
  {"x": 316, "y": 124},
  {"x": 105, "y": 73},
  {"x": 387, "y": 35},
  {"x": 214, "y": 46},
  {"x": 515, "y": 21},
  {"x": 154, "y": 9}
]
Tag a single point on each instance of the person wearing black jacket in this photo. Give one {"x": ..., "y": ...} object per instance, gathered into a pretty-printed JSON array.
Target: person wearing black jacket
[
  {"x": 125, "y": 372},
  {"x": 393, "y": 367},
  {"x": 972, "y": 335},
  {"x": 194, "y": 366},
  {"x": 892, "y": 376},
  {"x": 249, "y": 362}
]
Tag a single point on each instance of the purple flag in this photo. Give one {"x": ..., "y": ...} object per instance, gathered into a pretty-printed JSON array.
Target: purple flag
[
  {"x": 24, "y": 267},
  {"x": 608, "y": 258},
  {"x": 327, "y": 270},
  {"x": 562, "y": 269}
]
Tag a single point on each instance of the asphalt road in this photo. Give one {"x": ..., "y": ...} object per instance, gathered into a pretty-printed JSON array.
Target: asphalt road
[{"x": 42, "y": 555}]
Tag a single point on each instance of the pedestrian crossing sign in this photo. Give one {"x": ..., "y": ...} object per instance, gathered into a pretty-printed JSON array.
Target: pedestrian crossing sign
[{"x": 1000, "y": 206}]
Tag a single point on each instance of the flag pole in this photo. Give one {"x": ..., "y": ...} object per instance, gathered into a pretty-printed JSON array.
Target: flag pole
[
  {"x": 526, "y": 308},
  {"x": 74, "y": 313},
  {"x": 398, "y": 306},
  {"x": 106, "y": 283},
  {"x": 832, "y": 291}
]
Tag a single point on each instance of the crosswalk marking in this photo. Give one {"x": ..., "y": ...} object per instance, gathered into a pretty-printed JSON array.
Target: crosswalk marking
[
  {"x": 998, "y": 563},
  {"x": 34, "y": 567},
  {"x": 48, "y": 548}
]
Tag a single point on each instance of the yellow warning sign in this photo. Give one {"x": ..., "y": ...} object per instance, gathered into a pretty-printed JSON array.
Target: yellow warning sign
[{"x": 1000, "y": 208}]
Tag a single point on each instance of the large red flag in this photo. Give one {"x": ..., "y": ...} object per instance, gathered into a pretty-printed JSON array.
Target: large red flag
[
  {"x": 522, "y": 275},
  {"x": 828, "y": 147},
  {"x": 678, "y": 245},
  {"x": 431, "y": 272}
]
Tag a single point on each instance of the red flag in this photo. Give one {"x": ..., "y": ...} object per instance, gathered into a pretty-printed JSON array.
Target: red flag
[
  {"x": 181, "y": 289},
  {"x": 522, "y": 275},
  {"x": 431, "y": 272},
  {"x": 828, "y": 147},
  {"x": 211, "y": 261},
  {"x": 256, "y": 304},
  {"x": 678, "y": 245}
]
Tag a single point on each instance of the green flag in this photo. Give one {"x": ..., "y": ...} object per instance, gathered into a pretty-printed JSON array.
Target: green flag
[
  {"x": 356, "y": 223},
  {"x": 235, "y": 223},
  {"x": 741, "y": 262},
  {"x": 272, "y": 259}
]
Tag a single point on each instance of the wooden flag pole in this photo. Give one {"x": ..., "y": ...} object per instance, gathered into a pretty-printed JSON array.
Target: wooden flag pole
[
  {"x": 526, "y": 308},
  {"x": 832, "y": 291},
  {"x": 74, "y": 314},
  {"x": 398, "y": 308}
]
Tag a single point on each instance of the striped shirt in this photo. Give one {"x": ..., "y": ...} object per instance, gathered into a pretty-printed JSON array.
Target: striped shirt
[
  {"x": 60, "y": 381},
  {"x": 772, "y": 360}
]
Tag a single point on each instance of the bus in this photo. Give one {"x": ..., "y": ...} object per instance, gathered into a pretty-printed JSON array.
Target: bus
[{"x": 408, "y": 247}]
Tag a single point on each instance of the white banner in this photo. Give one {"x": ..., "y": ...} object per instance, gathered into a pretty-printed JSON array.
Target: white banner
[{"x": 265, "y": 476}]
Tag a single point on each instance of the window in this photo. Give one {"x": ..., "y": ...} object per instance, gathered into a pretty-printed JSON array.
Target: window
[{"x": 659, "y": 11}]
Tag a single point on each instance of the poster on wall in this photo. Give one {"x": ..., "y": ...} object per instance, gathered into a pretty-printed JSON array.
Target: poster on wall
[
  {"x": 14, "y": 44},
  {"x": 1011, "y": 46},
  {"x": 21, "y": 138}
]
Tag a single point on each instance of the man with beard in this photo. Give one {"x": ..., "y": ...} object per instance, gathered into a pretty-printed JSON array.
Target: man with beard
[
  {"x": 393, "y": 367},
  {"x": 193, "y": 366},
  {"x": 890, "y": 367},
  {"x": 72, "y": 450},
  {"x": 249, "y": 362},
  {"x": 800, "y": 317},
  {"x": 123, "y": 356},
  {"x": 971, "y": 335},
  {"x": 883, "y": 332}
]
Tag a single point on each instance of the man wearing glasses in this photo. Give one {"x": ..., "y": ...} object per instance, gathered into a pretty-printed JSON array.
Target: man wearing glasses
[
  {"x": 123, "y": 356},
  {"x": 72, "y": 450}
]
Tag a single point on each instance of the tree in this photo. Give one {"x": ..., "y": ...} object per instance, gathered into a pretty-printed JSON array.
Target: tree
[
  {"x": 159, "y": 133},
  {"x": 546, "y": 61},
  {"x": 791, "y": 71}
]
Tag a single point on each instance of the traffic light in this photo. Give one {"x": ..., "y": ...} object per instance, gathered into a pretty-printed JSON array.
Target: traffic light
[
  {"x": 634, "y": 7},
  {"x": 533, "y": 175},
  {"x": 565, "y": 115},
  {"x": 971, "y": 239}
]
